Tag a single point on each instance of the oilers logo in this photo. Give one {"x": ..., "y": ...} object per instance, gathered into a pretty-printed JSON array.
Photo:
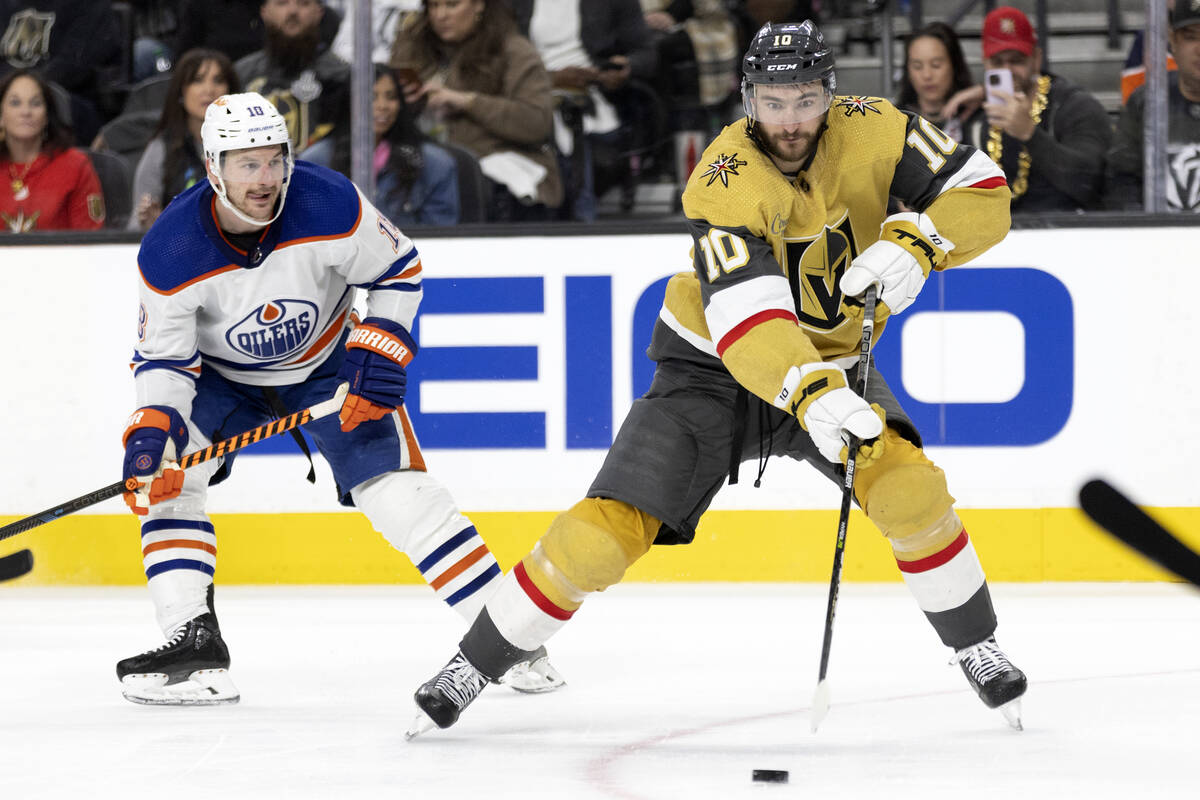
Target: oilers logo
[{"x": 274, "y": 330}]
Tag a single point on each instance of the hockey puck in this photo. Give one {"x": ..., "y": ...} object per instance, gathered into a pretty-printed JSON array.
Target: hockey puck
[{"x": 769, "y": 776}]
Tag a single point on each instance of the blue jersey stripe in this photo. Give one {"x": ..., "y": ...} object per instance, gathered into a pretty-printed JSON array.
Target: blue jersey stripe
[
  {"x": 179, "y": 563},
  {"x": 447, "y": 546},
  {"x": 150, "y": 526},
  {"x": 483, "y": 579}
]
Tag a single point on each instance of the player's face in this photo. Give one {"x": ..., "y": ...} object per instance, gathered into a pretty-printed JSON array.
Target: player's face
[
  {"x": 1185, "y": 46},
  {"x": 385, "y": 106},
  {"x": 789, "y": 118},
  {"x": 208, "y": 85},
  {"x": 253, "y": 180},
  {"x": 292, "y": 17},
  {"x": 930, "y": 71},
  {"x": 1025, "y": 69},
  {"x": 23, "y": 111},
  {"x": 453, "y": 20}
]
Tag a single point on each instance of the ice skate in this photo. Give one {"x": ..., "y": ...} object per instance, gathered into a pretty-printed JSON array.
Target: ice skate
[
  {"x": 994, "y": 678},
  {"x": 192, "y": 669},
  {"x": 534, "y": 676},
  {"x": 443, "y": 697}
]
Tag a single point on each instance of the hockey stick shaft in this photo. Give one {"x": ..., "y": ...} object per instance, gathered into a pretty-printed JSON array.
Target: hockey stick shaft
[
  {"x": 820, "y": 703},
  {"x": 1117, "y": 514},
  {"x": 216, "y": 450}
]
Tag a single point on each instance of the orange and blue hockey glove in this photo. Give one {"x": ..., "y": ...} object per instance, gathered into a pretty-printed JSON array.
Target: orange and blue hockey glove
[
  {"x": 377, "y": 352},
  {"x": 154, "y": 437}
]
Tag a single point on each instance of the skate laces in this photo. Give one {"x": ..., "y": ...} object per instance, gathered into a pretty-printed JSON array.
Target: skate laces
[
  {"x": 460, "y": 682},
  {"x": 983, "y": 661},
  {"x": 175, "y": 639}
]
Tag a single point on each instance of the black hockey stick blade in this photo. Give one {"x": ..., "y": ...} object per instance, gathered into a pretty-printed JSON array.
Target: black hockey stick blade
[
  {"x": 15, "y": 565},
  {"x": 1118, "y": 515}
]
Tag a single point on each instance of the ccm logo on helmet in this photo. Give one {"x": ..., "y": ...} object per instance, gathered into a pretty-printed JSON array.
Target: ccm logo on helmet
[{"x": 781, "y": 67}]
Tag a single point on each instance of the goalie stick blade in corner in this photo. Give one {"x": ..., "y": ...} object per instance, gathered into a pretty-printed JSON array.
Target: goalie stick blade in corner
[
  {"x": 15, "y": 565},
  {"x": 1118, "y": 515}
]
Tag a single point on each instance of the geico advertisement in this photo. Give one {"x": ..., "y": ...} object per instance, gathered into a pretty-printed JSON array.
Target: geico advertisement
[{"x": 1058, "y": 356}]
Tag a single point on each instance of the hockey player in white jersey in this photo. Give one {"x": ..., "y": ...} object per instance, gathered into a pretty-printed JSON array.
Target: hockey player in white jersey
[{"x": 247, "y": 282}]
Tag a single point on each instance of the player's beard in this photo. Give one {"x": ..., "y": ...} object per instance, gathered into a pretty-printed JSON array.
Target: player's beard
[
  {"x": 790, "y": 147},
  {"x": 292, "y": 53}
]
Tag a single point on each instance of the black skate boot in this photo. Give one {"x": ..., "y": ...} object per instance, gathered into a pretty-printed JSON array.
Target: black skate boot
[
  {"x": 191, "y": 669},
  {"x": 994, "y": 678},
  {"x": 444, "y": 696}
]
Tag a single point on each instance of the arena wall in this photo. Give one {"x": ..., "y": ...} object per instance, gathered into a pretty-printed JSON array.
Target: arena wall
[{"x": 1059, "y": 356}]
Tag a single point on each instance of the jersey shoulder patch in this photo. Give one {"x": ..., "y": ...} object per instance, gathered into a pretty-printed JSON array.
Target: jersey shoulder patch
[
  {"x": 734, "y": 183},
  {"x": 321, "y": 204},
  {"x": 176, "y": 250},
  {"x": 865, "y": 129}
]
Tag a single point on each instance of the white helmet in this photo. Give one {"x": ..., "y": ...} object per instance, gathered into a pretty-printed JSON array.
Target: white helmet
[{"x": 237, "y": 122}]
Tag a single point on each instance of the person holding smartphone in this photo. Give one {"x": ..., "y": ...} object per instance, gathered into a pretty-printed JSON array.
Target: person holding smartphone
[{"x": 1047, "y": 134}]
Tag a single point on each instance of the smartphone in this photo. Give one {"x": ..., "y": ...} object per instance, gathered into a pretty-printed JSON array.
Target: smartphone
[{"x": 995, "y": 80}]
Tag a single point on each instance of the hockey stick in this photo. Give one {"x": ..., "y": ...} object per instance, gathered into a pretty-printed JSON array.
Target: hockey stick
[
  {"x": 233, "y": 443},
  {"x": 1118, "y": 515},
  {"x": 15, "y": 565},
  {"x": 820, "y": 701}
]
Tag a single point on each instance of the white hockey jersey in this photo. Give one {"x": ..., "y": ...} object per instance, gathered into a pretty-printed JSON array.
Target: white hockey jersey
[{"x": 270, "y": 316}]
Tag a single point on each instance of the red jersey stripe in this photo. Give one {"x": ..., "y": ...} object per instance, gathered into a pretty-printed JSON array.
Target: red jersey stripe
[
  {"x": 937, "y": 559},
  {"x": 740, "y": 330},
  {"x": 539, "y": 599}
]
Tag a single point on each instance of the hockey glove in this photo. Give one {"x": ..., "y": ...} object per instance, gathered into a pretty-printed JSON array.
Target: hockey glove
[
  {"x": 908, "y": 248},
  {"x": 817, "y": 396},
  {"x": 377, "y": 352},
  {"x": 154, "y": 437}
]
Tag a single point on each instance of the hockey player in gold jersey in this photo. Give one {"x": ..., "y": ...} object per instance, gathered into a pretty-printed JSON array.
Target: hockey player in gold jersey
[{"x": 788, "y": 213}]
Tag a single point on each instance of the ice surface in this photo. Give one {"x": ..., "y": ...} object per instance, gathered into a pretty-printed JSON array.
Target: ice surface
[{"x": 675, "y": 691}]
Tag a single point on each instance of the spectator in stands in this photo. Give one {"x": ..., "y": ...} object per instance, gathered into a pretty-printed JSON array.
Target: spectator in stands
[
  {"x": 1049, "y": 136},
  {"x": 484, "y": 88},
  {"x": 753, "y": 14},
  {"x": 309, "y": 86},
  {"x": 697, "y": 45},
  {"x": 69, "y": 42},
  {"x": 50, "y": 185},
  {"x": 592, "y": 49},
  {"x": 935, "y": 70},
  {"x": 235, "y": 27},
  {"x": 387, "y": 17},
  {"x": 174, "y": 158},
  {"x": 1125, "y": 168},
  {"x": 416, "y": 182},
  {"x": 155, "y": 26},
  {"x": 1133, "y": 74}
]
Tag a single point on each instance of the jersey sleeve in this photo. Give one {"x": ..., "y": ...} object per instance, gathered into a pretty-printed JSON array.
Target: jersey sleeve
[
  {"x": 962, "y": 190},
  {"x": 387, "y": 265},
  {"x": 166, "y": 360},
  {"x": 748, "y": 307}
]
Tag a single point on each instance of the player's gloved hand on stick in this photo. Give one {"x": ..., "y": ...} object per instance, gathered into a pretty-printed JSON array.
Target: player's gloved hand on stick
[
  {"x": 154, "y": 438},
  {"x": 908, "y": 248},
  {"x": 817, "y": 395},
  {"x": 377, "y": 352}
]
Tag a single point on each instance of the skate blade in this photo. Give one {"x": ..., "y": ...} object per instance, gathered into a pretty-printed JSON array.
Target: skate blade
[
  {"x": 204, "y": 687},
  {"x": 1012, "y": 714},
  {"x": 533, "y": 677},
  {"x": 420, "y": 724}
]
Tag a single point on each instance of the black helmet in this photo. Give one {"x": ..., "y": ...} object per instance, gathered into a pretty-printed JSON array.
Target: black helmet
[{"x": 787, "y": 53}]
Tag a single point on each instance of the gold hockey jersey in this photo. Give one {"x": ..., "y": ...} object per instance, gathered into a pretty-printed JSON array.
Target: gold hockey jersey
[{"x": 769, "y": 249}]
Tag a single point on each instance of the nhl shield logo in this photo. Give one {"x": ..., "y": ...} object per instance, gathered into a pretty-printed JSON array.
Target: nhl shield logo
[
  {"x": 274, "y": 330},
  {"x": 26, "y": 42}
]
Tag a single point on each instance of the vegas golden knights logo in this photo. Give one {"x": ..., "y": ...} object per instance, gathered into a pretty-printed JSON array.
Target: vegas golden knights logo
[
  {"x": 26, "y": 41},
  {"x": 815, "y": 267}
]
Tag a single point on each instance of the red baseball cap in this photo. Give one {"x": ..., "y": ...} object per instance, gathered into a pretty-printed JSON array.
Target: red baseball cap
[{"x": 1006, "y": 28}]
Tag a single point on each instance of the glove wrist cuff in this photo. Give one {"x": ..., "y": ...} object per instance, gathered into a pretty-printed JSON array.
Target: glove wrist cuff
[
  {"x": 162, "y": 418},
  {"x": 916, "y": 234},
  {"x": 394, "y": 346},
  {"x": 806, "y": 383}
]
